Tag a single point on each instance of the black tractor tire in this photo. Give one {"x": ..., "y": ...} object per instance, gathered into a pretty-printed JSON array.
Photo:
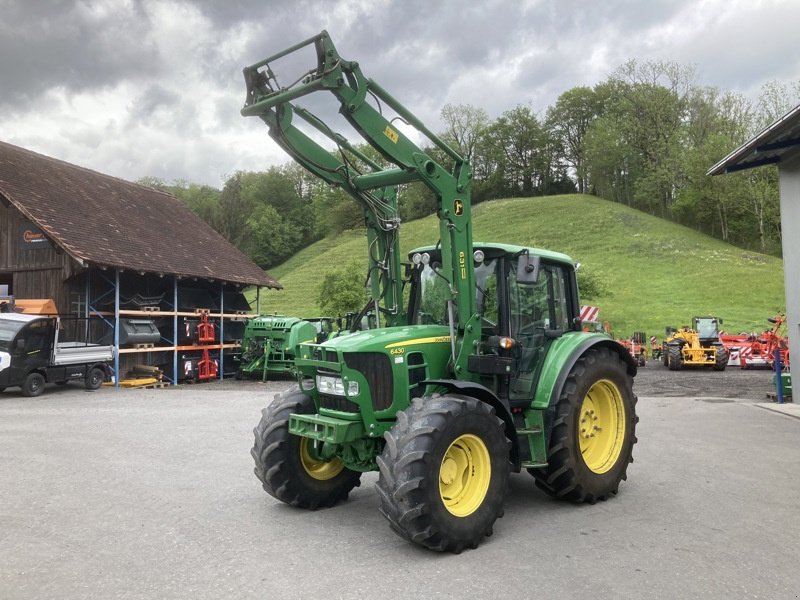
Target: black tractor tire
[
  {"x": 94, "y": 378},
  {"x": 284, "y": 465},
  {"x": 444, "y": 472},
  {"x": 721, "y": 358},
  {"x": 675, "y": 357},
  {"x": 598, "y": 385},
  {"x": 33, "y": 385},
  {"x": 665, "y": 356}
]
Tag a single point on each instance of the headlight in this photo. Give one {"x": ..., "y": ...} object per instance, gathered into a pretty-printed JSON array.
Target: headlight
[
  {"x": 326, "y": 384},
  {"x": 334, "y": 386}
]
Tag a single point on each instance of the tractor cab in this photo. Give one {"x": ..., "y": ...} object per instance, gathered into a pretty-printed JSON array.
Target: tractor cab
[{"x": 521, "y": 313}]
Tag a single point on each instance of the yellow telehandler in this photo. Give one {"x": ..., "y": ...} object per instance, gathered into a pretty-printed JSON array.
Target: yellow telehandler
[{"x": 697, "y": 346}]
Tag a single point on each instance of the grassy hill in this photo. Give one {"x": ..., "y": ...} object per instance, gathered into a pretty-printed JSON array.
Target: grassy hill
[{"x": 657, "y": 273}]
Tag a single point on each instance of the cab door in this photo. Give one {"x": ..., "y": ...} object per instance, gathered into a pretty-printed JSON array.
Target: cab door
[
  {"x": 539, "y": 313},
  {"x": 31, "y": 349}
]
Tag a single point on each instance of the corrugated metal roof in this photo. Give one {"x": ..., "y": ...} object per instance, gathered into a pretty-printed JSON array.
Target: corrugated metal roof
[
  {"x": 771, "y": 146},
  {"x": 108, "y": 222}
]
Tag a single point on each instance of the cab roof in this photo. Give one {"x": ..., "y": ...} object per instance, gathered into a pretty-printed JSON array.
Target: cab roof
[
  {"x": 495, "y": 249},
  {"x": 20, "y": 317}
]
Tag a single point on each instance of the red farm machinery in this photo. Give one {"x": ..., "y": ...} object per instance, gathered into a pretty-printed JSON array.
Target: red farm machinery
[{"x": 757, "y": 350}]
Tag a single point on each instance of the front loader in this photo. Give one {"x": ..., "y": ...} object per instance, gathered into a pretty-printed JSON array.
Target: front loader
[{"x": 477, "y": 365}]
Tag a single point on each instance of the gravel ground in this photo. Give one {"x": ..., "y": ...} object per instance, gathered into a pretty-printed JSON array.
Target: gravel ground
[
  {"x": 141, "y": 494},
  {"x": 734, "y": 383}
]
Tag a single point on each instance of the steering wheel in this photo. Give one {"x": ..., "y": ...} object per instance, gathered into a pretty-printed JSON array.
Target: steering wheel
[{"x": 530, "y": 328}]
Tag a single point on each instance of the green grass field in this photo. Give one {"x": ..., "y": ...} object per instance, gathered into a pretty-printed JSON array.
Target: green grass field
[{"x": 657, "y": 273}]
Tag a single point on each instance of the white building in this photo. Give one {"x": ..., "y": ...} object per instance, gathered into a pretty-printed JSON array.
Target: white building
[{"x": 779, "y": 144}]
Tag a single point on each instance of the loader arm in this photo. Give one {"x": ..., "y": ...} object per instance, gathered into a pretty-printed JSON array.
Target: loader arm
[{"x": 375, "y": 189}]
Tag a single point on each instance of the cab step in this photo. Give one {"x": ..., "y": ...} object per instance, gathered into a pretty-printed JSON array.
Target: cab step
[
  {"x": 529, "y": 431},
  {"x": 529, "y": 464}
]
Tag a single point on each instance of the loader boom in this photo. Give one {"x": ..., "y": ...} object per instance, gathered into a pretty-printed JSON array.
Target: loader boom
[{"x": 372, "y": 185}]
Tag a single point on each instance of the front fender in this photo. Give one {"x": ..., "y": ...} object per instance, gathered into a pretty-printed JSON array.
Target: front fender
[{"x": 484, "y": 394}]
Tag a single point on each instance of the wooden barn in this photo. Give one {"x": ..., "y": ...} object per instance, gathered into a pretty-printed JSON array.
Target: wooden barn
[{"x": 124, "y": 263}]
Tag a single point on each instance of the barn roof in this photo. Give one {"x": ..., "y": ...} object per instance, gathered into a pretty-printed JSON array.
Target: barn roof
[
  {"x": 103, "y": 221},
  {"x": 771, "y": 146}
]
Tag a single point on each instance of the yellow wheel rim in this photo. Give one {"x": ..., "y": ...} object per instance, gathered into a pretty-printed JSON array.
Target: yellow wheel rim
[
  {"x": 464, "y": 475},
  {"x": 601, "y": 426},
  {"x": 318, "y": 469}
]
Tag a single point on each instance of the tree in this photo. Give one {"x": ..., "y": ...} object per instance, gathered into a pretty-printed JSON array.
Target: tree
[
  {"x": 235, "y": 209},
  {"x": 569, "y": 120},
  {"x": 515, "y": 144},
  {"x": 272, "y": 238},
  {"x": 342, "y": 290},
  {"x": 464, "y": 125}
]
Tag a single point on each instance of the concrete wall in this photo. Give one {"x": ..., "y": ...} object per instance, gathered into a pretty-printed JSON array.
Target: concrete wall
[{"x": 790, "y": 226}]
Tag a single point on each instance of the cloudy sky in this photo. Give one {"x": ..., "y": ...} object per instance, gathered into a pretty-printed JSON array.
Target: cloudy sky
[{"x": 154, "y": 87}]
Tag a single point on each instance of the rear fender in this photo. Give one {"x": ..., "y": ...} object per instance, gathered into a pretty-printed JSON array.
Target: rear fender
[
  {"x": 560, "y": 359},
  {"x": 562, "y": 356},
  {"x": 484, "y": 394}
]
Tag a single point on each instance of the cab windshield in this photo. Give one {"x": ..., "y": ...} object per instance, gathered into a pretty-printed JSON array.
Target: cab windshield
[
  {"x": 433, "y": 295},
  {"x": 434, "y": 291},
  {"x": 8, "y": 329}
]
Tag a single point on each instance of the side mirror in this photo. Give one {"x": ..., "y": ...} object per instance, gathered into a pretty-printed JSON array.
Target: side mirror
[
  {"x": 19, "y": 346},
  {"x": 528, "y": 268}
]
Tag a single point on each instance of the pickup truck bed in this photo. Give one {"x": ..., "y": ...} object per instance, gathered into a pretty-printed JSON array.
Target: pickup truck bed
[{"x": 70, "y": 353}]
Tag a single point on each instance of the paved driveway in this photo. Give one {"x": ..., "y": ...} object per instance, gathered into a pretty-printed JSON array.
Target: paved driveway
[{"x": 150, "y": 494}]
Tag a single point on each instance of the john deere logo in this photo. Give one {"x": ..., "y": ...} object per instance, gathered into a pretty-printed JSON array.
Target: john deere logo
[{"x": 458, "y": 208}]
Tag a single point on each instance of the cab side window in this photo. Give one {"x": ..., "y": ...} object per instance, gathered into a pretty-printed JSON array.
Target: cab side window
[
  {"x": 36, "y": 337},
  {"x": 560, "y": 298}
]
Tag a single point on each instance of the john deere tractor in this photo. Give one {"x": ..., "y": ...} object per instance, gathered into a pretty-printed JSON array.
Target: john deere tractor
[
  {"x": 697, "y": 346},
  {"x": 477, "y": 366}
]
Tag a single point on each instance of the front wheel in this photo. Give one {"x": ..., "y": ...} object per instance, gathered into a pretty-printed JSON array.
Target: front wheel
[
  {"x": 593, "y": 431},
  {"x": 286, "y": 464},
  {"x": 444, "y": 472},
  {"x": 33, "y": 385},
  {"x": 720, "y": 358},
  {"x": 675, "y": 357}
]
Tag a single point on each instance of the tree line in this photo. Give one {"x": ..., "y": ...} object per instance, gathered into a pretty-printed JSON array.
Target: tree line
[{"x": 644, "y": 137}]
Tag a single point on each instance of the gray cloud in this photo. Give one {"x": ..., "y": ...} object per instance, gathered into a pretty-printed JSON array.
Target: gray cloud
[{"x": 154, "y": 87}]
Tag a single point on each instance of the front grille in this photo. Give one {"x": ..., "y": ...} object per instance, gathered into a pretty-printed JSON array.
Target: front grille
[
  {"x": 377, "y": 370},
  {"x": 339, "y": 403}
]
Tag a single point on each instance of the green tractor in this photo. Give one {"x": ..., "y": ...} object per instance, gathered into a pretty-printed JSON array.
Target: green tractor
[
  {"x": 477, "y": 365},
  {"x": 270, "y": 342}
]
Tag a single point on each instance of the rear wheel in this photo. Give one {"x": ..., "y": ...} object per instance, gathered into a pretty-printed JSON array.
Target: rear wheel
[
  {"x": 287, "y": 465},
  {"x": 33, "y": 385},
  {"x": 593, "y": 432},
  {"x": 444, "y": 472},
  {"x": 94, "y": 378}
]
